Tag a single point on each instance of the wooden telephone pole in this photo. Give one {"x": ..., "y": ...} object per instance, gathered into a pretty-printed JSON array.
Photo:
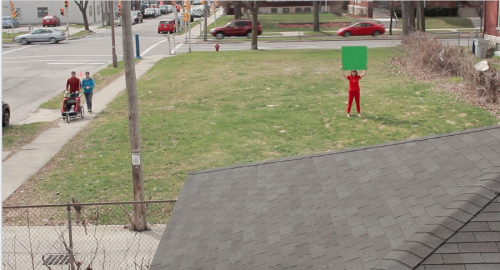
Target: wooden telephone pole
[{"x": 133, "y": 119}]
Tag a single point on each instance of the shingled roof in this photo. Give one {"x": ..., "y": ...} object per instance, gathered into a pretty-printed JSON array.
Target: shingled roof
[{"x": 426, "y": 203}]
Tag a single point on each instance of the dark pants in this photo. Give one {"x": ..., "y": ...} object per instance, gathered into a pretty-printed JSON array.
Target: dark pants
[{"x": 88, "y": 98}]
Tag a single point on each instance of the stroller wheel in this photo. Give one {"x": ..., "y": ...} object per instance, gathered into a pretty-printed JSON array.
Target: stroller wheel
[
  {"x": 82, "y": 112},
  {"x": 68, "y": 119}
]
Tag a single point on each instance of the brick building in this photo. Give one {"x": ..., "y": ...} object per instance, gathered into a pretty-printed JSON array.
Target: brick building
[{"x": 492, "y": 21}]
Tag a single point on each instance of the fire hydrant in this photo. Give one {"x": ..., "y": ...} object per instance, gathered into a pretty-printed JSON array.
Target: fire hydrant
[{"x": 217, "y": 47}]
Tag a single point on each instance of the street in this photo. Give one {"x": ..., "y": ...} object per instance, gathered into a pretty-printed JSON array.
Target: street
[{"x": 35, "y": 73}]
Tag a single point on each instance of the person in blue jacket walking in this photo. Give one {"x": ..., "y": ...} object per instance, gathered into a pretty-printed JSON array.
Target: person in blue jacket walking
[{"x": 88, "y": 88}]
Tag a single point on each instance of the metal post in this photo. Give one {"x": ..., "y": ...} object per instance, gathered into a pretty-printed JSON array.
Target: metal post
[
  {"x": 189, "y": 26},
  {"x": 67, "y": 20},
  {"x": 70, "y": 234},
  {"x": 137, "y": 49},
  {"x": 112, "y": 22},
  {"x": 168, "y": 38},
  {"x": 175, "y": 48}
]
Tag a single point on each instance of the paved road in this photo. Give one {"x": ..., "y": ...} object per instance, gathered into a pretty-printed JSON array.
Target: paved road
[{"x": 36, "y": 73}]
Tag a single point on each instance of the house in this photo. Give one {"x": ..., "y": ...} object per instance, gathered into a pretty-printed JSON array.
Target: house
[
  {"x": 281, "y": 7},
  {"x": 492, "y": 22},
  {"x": 32, "y": 12},
  {"x": 426, "y": 203},
  {"x": 365, "y": 8}
]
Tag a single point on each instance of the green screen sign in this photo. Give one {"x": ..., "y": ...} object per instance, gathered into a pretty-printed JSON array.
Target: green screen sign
[{"x": 354, "y": 57}]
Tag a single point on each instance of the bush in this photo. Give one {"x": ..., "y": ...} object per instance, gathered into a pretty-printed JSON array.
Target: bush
[{"x": 425, "y": 57}]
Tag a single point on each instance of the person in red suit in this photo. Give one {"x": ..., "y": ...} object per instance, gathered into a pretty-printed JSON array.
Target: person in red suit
[{"x": 353, "y": 90}]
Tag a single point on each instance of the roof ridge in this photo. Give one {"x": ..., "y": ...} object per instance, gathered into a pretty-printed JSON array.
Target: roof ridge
[
  {"x": 444, "y": 225},
  {"x": 356, "y": 149}
]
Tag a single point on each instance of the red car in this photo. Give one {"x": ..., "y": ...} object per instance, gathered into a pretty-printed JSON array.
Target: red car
[
  {"x": 51, "y": 20},
  {"x": 362, "y": 29},
  {"x": 166, "y": 26},
  {"x": 235, "y": 28}
]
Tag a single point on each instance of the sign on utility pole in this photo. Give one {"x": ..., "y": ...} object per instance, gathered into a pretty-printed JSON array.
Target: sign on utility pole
[{"x": 133, "y": 119}]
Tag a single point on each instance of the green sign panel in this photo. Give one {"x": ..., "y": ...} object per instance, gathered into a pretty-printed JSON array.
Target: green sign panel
[{"x": 354, "y": 57}]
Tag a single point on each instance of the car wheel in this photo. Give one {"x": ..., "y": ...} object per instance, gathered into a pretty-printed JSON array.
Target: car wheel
[
  {"x": 142, "y": 20},
  {"x": 53, "y": 40},
  {"x": 44, "y": 25},
  {"x": 347, "y": 34},
  {"x": 249, "y": 34},
  {"x": 6, "y": 118},
  {"x": 159, "y": 32},
  {"x": 24, "y": 41},
  {"x": 219, "y": 35},
  {"x": 376, "y": 33}
]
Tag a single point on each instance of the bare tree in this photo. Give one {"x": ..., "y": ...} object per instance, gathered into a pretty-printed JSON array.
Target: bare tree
[
  {"x": 254, "y": 8},
  {"x": 237, "y": 10},
  {"x": 421, "y": 16},
  {"x": 479, "y": 7},
  {"x": 82, "y": 5},
  {"x": 316, "y": 16},
  {"x": 408, "y": 16}
]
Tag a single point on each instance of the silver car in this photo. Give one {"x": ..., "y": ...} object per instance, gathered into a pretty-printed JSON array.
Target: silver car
[
  {"x": 8, "y": 22},
  {"x": 41, "y": 35}
]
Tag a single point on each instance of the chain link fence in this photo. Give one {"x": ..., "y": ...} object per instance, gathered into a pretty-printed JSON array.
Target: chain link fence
[{"x": 81, "y": 236}]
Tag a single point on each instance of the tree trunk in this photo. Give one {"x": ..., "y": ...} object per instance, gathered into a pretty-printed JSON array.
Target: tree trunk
[
  {"x": 392, "y": 16},
  {"x": 255, "y": 25},
  {"x": 408, "y": 17},
  {"x": 83, "y": 9},
  {"x": 316, "y": 15},
  {"x": 237, "y": 11},
  {"x": 421, "y": 16}
]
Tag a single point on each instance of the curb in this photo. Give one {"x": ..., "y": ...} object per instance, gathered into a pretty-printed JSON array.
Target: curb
[{"x": 82, "y": 36}]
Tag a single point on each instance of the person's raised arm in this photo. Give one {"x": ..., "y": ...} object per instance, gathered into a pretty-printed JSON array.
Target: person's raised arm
[
  {"x": 363, "y": 73},
  {"x": 343, "y": 72}
]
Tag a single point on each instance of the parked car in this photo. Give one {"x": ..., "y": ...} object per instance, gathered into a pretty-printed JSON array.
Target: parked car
[
  {"x": 149, "y": 12},
  {"x": 5, "y": 114},
  {"x": 362, "y": 29},
  {"x": 158, "y": 12},
  {"x": 41, "y": 35},
  {"x": 51, "y": 20},
  {"x": 197, "y": 12},
  {"x": 8, "y": 22},
  {"x": 235, "y": 28},
  {"x": 166, "y": 26},
  {"x": 170, "y": 8},
  {"x": 136, "y": 17},
  {"x": 164, "y": 9}
]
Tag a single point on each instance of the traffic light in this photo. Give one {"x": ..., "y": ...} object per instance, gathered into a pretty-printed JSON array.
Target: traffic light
[
  {"x": 203, "y": 2},
  {"x": 13, "y": 11},
  {"x": 62, "y": 11},
  {"x": 188, "y": 6},
  {"x": 185, "y": 16},
  {"x": 120, "y": 7},
  {"x": 66, "y": 3}
]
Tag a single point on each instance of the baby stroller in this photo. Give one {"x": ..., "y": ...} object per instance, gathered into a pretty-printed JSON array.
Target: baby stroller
[{"x": 71, "y": 107}]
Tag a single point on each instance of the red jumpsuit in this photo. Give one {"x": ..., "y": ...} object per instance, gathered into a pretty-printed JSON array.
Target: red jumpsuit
[{"x": 353, "y": 93}]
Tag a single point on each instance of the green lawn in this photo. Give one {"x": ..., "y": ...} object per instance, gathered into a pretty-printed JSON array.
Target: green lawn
[
  {"x": 80, "y": 33},
  {"x": 270, "y": 22},
  {"x": 14, "y": 136},
  {"x": 447, "y": 22},
  {"x": 241, "y": 107}
]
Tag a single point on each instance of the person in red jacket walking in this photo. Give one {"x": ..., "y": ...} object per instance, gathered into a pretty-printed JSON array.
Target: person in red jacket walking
[
  {"x": 73, "y": 84},
  {"x": 353, "y": 90}
]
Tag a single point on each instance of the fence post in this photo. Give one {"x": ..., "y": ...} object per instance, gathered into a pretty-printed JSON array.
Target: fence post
[{"x": 68, "y": 210}]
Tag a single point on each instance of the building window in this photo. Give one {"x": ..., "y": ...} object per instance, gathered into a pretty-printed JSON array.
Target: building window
[
  {"x": 298, "y": 10},
  {"x": 90, "y": 10},
  {"x": 286, "y": 10},
  {"x": 307, "y": 10},
  {"x": 98, "y": 9},
  {"x": 42, "y": 12},
  {"x": 19, "y": 13},
  {"x": 275, "y": 10}
]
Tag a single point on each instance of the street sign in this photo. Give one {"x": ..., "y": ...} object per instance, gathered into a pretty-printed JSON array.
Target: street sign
[{"x": 354, "y": 57}]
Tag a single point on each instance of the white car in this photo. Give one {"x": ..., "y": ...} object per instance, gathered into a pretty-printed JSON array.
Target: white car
[
  {"x": 158, "y": 12},
  {"x": 41, "y": 35}
]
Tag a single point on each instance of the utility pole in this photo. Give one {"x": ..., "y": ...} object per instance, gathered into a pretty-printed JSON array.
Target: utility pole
[
  {"x": 112, "y": 21},
  {"x": 133, "y": 119},
  {"x": 205, "y": 16}
]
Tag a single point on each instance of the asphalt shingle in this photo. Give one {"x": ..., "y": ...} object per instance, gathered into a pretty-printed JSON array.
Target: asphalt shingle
[{"x": 349, "y": 209}]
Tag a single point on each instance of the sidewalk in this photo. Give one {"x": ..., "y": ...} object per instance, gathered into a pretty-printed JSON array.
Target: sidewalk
[{"x": 19, "y": 167}]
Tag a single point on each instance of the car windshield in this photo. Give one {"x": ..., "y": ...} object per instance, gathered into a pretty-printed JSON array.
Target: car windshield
[
  {"x": 5, "y": 18},
  {"x": 48, "y": 17},
  {"x": 57, "y": 31},
  {"x": 133, "y": 13},
  {"x": 149, "y": 9}
]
